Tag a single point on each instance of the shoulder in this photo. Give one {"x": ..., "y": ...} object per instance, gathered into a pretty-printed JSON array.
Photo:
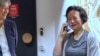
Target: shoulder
[
  {"x": 92, "y": 38},
  {"x": 11, "y": 22},
  {"x": 93, "y": 44}
]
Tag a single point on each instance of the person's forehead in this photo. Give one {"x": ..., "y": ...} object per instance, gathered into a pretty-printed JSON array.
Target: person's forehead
[{"x": 73, "y": 13}]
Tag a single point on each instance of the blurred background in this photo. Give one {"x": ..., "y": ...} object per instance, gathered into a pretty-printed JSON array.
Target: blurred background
[{"x": 39, "y": 22}]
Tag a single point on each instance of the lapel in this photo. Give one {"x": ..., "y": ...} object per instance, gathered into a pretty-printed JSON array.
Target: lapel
[{"x": 7, "y": 32}]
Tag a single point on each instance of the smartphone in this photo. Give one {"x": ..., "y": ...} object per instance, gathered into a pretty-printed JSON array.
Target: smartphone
[{"x": 67, "y": 28}]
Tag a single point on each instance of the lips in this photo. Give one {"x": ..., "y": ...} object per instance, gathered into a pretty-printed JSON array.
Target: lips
[{"x": 73, "y": 25}]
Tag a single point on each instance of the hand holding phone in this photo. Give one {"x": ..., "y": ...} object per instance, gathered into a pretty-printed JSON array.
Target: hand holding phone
[
  {"x": 63, "y": 31},
  {"x": 66, "y": 28}
]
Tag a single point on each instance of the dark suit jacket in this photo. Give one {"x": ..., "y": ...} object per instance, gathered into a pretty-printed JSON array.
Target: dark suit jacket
[{"x": 11, "y": 35}]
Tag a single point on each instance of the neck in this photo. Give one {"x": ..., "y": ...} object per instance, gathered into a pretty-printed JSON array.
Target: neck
[
  {"x": 78, "y": 31},
  {"x": 1, "y": 23}
]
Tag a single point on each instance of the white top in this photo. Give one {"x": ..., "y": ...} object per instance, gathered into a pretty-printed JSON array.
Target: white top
[{"x": 3, "y": 43}]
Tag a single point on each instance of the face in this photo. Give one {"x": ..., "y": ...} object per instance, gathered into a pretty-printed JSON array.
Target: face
[
  {"x": 74, "y": 20},
  {"x": 4, "y": 11}
]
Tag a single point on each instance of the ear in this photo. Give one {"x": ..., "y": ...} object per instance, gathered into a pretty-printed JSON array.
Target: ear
[{"x": 82, "y": 21}]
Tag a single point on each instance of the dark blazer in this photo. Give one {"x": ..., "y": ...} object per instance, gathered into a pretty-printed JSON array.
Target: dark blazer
[{"x": 11, "y": 35}]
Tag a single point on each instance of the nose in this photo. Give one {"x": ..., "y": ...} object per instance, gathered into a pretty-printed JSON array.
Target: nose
[{"x": 72, "y": 21}]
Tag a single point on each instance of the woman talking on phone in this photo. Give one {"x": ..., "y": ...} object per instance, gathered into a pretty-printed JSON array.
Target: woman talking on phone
[{"x": 80, "y": 42}]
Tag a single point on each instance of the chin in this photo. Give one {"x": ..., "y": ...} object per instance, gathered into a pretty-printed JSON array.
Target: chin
[
  {"x": 4, "y": 17},
  {"x": 74, "y": 28}
]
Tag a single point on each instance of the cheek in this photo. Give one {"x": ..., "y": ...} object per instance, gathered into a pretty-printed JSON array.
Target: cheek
[
  {"x": 1, "y": 11},
  {"x": 80, "y": 21}
]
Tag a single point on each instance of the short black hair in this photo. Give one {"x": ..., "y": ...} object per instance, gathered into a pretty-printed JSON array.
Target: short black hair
[{"x": 82, "y": 12}]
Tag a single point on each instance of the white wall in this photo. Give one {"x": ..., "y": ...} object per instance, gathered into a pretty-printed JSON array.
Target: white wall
[
  {"x": 50, "y": 16},
  {"x": 48, "y": 11}
]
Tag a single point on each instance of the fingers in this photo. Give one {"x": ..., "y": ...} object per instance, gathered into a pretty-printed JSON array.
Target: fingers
[
  {"x": 63, "y": 25},
  {"x": 62, "y": 31}
]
